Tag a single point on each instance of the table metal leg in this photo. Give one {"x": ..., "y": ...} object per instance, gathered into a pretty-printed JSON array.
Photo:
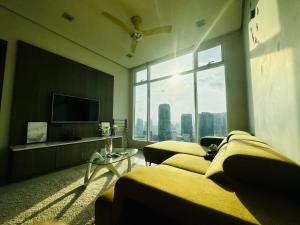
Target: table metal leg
[
  {"x": 87, "y": 172},
  {"x": 110, "y": 167},
  {"x": 93, "y": 175},
  {"x": 113, "y": 169},
  {"x": 129, "y": 164},
  {"x": 87, "y": 177}
]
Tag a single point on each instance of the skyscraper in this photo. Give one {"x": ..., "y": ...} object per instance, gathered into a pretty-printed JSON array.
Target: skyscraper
[
  {"x": 164, "y": 122},
  {"x": 187, "y": 127},
  {"x": 139, "y": 128},
  {"x": 206, "y": 124},
  {"x": 220, "y": 124}
]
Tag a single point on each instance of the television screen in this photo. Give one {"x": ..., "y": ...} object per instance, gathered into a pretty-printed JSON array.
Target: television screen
[{"x": 69, "y": 109}]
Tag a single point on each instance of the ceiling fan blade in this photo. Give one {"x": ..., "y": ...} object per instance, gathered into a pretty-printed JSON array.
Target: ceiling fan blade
[
  {"x": 157, "y": 30},
  {"x": 118, "y": 22},
  {"x": 133, "y": 45}
]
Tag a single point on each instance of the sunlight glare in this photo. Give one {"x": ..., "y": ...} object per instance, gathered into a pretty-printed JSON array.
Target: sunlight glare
[{"x": 175, "y": 79}]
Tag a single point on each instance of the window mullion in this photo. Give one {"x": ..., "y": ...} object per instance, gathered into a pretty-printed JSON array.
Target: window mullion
[
  {"x": 148, "y": 103},
  {"x": 196, "y": 97},
  {"x": 133, "y": 105}
]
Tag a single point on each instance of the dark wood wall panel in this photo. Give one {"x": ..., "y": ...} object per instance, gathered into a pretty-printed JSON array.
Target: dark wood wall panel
[
  {"x": 3, "y": 46},
  {"x": 38, "y": 74},
  {"x": 32, "y": 162}
]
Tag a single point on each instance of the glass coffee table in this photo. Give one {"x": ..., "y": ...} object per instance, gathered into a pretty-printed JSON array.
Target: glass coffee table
[{"x": 107, "y": 161}]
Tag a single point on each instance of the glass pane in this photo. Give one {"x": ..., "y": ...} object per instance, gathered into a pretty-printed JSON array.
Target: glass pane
[
  {"x": 141, "y": 76},
  {"x": 212, "y": 117},
  {"x": 172, "y": 66},
  {"x": 210, "y": 56},
  {"x": 172, "y": 109},
  {"x": 140, "y": 112}
]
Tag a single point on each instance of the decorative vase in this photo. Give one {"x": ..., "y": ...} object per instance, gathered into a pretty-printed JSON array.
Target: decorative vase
[{"x": 108, "y": 145}]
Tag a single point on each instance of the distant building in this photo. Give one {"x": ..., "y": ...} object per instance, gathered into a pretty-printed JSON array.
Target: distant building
[
  {"x": 164, "y": 122},
  {"x": 179, "y": 138},
  {"x": 187, "y": 127},
  {"x": 173, "y": 135},
  {"x": 139, "y": 128},
  {"x": 220, "y": 124},
  {"x": 154, "y": 137},
  {"x": 205, "y": 124},
  {"x": 212, "y": 124}
]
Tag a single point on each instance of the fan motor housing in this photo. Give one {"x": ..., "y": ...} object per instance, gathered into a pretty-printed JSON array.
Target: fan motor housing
[{"x": 137, "y": 35}]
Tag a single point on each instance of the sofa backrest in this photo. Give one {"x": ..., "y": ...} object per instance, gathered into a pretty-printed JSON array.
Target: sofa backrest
[
  {"x": 236, "y": 132},
  {"x": 258, "y": 164},
  {"x": 215, "y": 170},
  {"x": 252, "y": 161}
]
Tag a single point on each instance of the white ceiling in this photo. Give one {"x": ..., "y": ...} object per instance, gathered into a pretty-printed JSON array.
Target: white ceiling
[{"x": 95, "y": 32}]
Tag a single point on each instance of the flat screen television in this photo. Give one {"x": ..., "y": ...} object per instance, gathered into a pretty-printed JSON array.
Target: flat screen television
[{"x": 70, "y": 109}]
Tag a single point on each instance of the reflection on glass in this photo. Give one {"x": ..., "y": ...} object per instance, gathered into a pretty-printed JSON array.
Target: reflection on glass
[
  {"x": 141, "y": 76},
  {"x": 212, "y": 117},
  {"x": 210, "y": 56},
  {"x": 172, "y": 109},
  {"x": 140, "y": 102},
  {"x": 173, "y": 66}
]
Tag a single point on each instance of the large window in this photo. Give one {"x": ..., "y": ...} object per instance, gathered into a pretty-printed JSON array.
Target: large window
[
  {"x": 172, "y": 108},
  {"x": 181, "y": 99},
  {"x": 140, "y": 113},
  {"x": 172, "y": 66},
  {"x": 211, "y": 102}
]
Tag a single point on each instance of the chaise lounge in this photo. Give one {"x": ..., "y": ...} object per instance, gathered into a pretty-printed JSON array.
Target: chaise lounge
[
  {"x": 160, "y": 151},
  {"x": 247, "y": 182}
]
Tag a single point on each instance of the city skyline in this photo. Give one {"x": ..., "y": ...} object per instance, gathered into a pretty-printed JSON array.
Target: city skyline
[
  {"x": 209, "y": 124},
  {"x": 179, "y": 93}
]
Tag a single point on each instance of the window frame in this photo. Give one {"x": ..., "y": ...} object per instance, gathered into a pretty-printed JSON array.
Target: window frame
[{"x": 194, "y": 71}]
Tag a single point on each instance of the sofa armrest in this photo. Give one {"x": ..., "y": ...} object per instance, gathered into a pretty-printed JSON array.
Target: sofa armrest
[
  {"x": 209, "y": 140},
  {"x": 103, "y": 208}
]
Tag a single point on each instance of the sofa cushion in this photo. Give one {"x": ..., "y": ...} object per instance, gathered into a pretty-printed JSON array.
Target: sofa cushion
[
  {"x": 234, "y": 133},
  {"x": 224, "y": 142},
  {"x": 190, "y": 198},
  {"x": 179, "y": 147},
  {"x": 182, "y": 195},
  {"x": 161, "y": 151},
  {"x": 246, "y": 138},
  {"x": 258, "y": 164},
  {"x": 188, "y": 162},
  {"x": 237, "y": 132},
  {"x": 215, "y": 170}
]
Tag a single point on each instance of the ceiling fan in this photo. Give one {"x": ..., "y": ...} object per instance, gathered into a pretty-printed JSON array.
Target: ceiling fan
[{"x": 135, "y": 32}]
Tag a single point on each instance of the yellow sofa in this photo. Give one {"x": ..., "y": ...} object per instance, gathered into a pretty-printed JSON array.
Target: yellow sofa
[
  {"x": 248, "y": 182},
  {"x": 160, "y": 151}
]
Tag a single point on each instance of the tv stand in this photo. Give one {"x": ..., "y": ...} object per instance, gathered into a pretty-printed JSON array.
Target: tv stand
[
  {"x": 71, "y": 138},
  {"x": 35, "y": 159}
]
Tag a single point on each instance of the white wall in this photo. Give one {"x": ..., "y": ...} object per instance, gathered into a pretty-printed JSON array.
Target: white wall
[
  {"x": 272, "y": 47},
  {"x": 13, "y": 28}
]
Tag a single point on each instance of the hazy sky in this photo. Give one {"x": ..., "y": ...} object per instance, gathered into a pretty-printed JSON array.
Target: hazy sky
[{"x": 178, "y": 91}]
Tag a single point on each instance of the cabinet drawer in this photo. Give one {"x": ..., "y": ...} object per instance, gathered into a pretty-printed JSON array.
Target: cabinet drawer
[
  {"x": 69, "y": 155},
  {"x": 32, "y": 162}
]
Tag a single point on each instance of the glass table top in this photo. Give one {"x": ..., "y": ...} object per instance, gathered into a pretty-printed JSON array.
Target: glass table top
[{"x": 118, "y": 154}]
